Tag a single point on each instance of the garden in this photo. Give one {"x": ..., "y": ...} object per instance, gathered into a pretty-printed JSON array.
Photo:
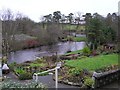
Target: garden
[
  {"x": 25, "y": 71},
  {"x": 77, "y": 68},
  {"x": 97, "y": 32}
]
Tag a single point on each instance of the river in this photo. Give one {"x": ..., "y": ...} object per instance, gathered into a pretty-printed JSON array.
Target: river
[{"x": 31, "y": 54}]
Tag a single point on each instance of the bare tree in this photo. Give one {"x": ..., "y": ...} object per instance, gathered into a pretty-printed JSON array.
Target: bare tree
[
  {"x": 9, "y": 26},
  {"x": 0, "y": 37},
  {"x": 77, "y": 20}
]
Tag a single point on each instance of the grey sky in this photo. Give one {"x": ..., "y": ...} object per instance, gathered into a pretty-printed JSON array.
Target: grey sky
[{"x": 37, "y": 8}]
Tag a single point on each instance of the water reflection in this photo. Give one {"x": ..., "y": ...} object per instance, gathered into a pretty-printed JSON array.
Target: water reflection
[{"x": 30, "y": 54}]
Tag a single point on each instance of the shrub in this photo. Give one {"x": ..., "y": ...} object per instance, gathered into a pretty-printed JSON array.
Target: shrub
[
  {"x": 25, "y": 76},
  {"x": 19, "y": 71},
  {"x": 100, "y": 49},
  {"x": 75, "y": 71},
  {"x": 86, "y": 51},
  {"x": 12, "y": 65},
  {"x": 53, "y": 58},
  {"x": 105, "y": 53},
  {"x": 95, "y": 52},
  {"x": 4, "y": 60},
  {"x": 115, "y": 51},
  {"x": 88, "y": 81},
  {"x": 39, "y": 60}
]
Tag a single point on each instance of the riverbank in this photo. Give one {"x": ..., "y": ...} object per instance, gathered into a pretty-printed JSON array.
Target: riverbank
[{"x": 31, "y": 54}]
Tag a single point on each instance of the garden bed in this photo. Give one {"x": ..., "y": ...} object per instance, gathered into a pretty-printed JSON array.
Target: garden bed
[
  {"x": 78, "y": 69},
  {"x": 25, "y": 70},
  {"x": 74, "y": 72}
]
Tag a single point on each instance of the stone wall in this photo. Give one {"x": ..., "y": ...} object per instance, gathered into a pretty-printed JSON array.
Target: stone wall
[{"x": 107, "y": 78}]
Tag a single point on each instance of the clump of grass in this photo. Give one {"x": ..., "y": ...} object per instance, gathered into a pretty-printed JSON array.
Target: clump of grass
[
  {"x": 79, "y": 39},
  {"x": 37, "y": 64}
]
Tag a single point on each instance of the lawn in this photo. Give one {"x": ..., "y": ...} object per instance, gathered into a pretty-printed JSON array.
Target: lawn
[
  {"x": 74, "y": 52},
  {"x": 93, "y": 63},
  {"x": 79, "y": 39},
  {"x": 76, "y": 39},
  {"x": 73, "y": 27}
]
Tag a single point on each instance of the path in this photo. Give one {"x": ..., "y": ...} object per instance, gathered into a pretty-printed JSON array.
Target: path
[
  {"x": 50, "y": 83},
  {"x": 47, "y": 80}
]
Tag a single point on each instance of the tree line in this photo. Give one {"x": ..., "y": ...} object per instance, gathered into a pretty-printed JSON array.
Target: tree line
[
  {"x": 49, "y": 30},
  {"x": 101, "y": 30}
]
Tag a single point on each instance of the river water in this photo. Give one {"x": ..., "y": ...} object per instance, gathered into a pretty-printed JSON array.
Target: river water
[{"x": 31, "y": 54}]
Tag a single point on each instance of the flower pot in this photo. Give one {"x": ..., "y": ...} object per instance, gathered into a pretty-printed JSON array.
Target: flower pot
[{"x": 5, "y": 71}]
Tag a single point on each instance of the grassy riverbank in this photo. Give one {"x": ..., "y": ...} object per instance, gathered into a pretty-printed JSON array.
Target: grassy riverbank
[
  {"x": 74, "y": 52},
  {"x": 76, "y": 39},
  {"x": 79, "y": 39}
]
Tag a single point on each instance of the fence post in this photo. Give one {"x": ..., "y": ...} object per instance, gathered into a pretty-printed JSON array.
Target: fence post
[
  {"x": 36, "y": 77},
  {"x": 56, "y": 74},
  {"x": 56, "y": 77}
]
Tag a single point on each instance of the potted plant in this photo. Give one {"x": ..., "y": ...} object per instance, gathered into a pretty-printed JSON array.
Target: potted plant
[{"x": 5, "y": 69}]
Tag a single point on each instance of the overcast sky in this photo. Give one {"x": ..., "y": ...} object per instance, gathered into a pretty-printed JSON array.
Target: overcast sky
[{"x": 37, "y": 8}]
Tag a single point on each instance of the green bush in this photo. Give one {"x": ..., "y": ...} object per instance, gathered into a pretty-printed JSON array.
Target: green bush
[
  {"x": 75, "y": 71},
  {"x": 12, "y": 65},
  {"x": 86, "y": 51},
  {"x": 88, "y": 81},
  {"x": 19, "y": 70},
  {"x": 25, "y": 76}
]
